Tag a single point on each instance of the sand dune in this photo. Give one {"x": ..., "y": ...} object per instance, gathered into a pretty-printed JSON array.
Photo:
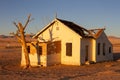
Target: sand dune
[{"x": 116, "y": 43}]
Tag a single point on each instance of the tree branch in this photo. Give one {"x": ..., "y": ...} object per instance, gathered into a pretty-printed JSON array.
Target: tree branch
[
  {"x": 28, "y": 20},
  {"x": 40, "y": 38},
  {"x": 16, "y": 35},
  {"x": 20, "y": 26},
  {"x": 32, "y": 44},
  {"x": 18, "y": 38},
  {"x": 16, "y": 25}
]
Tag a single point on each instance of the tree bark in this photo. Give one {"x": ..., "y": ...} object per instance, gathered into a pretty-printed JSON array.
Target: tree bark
[
  {"x": 24, "y": 45},
  {"x": 21, "y": 36}
]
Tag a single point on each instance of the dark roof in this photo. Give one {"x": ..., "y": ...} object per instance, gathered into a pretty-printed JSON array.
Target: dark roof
[{"x": 78, "y": 29}]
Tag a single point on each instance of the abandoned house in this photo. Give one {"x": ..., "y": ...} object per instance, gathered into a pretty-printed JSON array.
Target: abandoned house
[{"x": 64, "y": 42}]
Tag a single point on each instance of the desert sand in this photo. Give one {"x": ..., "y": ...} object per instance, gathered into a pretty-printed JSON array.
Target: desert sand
[
  {"x": 10, "y": 69},
  {"x": 10, "y": 66}
]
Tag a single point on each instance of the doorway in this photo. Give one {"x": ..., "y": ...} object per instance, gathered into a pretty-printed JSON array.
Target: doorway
[{"x": 86, "y": 52}]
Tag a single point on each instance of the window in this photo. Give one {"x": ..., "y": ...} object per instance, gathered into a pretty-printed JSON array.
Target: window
[
  {"x": 103, "y": 48},
  {"x": 110, "y": 50},
  {"x": 98, "y": 49},
  {"x": 69, "y": 49},
  {"x": 40, "y": 50},
  {"x": 28, "y": 49},
  {"x": 87, "y": 51}
]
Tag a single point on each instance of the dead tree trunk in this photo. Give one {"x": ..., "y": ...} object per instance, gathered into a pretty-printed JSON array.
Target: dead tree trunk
[
  {"x": 21, "y": 37},
  {"x": 24, "y": 45}
]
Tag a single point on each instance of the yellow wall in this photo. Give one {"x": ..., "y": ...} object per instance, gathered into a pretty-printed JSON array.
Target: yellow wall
[
  {"x": 69, "y": 36},
  {"x": 35, "y": 59},
  {"x": 60, "y": 32},
  {"x": 65, "y": 35},
  {"x": 91, "y": 49},
  {"x": 93, "y": 41}
]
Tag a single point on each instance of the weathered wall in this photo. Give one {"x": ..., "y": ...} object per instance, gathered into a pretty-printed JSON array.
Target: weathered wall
[
  {"x": 90, "y": 53},
  {"x": 53, "y": 32},
  {"x": 69, "y": 36},
  {"x": 60, "y": 32},
  {"x": 35, "y": 59},
  {"x": 108, "y": 56},
  {"x": 53, "y": 59},
  {"x": 65, "y": 35}
]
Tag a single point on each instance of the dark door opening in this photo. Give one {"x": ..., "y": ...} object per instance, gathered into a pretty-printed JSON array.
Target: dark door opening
[{"x": 86, "y": 51}]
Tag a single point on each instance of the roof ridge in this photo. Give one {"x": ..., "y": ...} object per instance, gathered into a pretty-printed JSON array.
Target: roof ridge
[
  {"x": 79, "y": 29},
  {"x": 72, "y": 22}
]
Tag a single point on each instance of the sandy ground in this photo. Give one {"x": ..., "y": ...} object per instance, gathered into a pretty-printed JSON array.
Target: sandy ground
[{"x": 10, "y": 69}]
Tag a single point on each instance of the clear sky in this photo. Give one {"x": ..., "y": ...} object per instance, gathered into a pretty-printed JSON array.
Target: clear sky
[{"x": 87, "y": 13}]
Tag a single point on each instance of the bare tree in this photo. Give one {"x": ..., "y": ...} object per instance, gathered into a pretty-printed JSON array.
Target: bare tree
[{"x": 20, "y": 35}]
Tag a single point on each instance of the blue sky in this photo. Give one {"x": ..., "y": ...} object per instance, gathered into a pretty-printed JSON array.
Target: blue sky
[{"x": 87, "y": 13}]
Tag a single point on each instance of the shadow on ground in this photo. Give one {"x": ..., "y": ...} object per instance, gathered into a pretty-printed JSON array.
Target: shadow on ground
[{"x": 116, "y": 56}]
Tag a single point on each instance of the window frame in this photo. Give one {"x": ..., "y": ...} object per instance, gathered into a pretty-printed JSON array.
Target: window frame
[
  {"x": 68, "y": 49},
  {"x": 98, "y": 49}
]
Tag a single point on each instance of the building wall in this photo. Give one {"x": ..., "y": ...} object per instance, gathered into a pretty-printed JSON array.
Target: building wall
[
  {"x": 32, "y": 56},
  {"x": 53, "y": 59},
  {"x": 53, "y": 32},
  {"x": 93, "y": 41},
  {"x": 65, "y": 35},
  {"x": 35, "y": 58},
  {"x": 87, "y": 53},
  {"x": 69, "y": 36},
  {"x": 104, "y": 54},
  {"x": 60, "y": 32}
]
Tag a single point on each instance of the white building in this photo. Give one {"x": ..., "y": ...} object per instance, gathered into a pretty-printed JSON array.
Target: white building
[{"x": 64, "y": 42}]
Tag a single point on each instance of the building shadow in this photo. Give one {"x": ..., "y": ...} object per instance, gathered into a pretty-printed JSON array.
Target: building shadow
[{"x": 116, "y": 56}]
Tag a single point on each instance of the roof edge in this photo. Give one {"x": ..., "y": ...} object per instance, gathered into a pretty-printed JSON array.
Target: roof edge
[{"x": 44, "y": 28}]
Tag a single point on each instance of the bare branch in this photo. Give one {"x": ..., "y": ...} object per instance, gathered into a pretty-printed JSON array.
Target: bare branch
[
  {"x": 18, "y": 38},
  {"x": 20, "y": 26},
  {"x": 16, "y": 25},
  {"x": 28, "y": 20},
  {"x": 33, "y": 44},
  {"x": 31, "y": 19},
  {"x": 40, "y": 38},
  {"x": 16, "y": 35}
]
